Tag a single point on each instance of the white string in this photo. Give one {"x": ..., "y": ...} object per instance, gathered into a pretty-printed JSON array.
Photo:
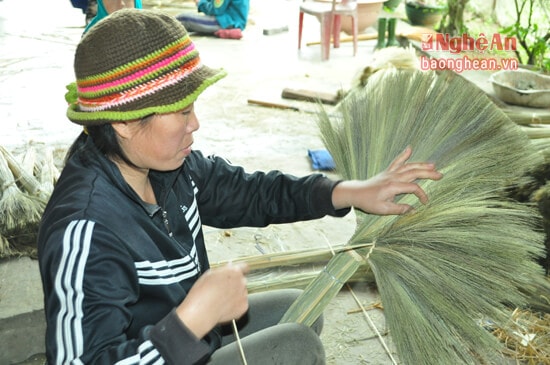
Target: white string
[
  {"x": 363, "y": 309},
  {"x": 236, "y": 331},
  {"x": 372, "y": 325}
]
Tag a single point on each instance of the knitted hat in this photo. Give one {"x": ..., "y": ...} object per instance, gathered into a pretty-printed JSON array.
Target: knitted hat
[{"x": 135, "y": 63}]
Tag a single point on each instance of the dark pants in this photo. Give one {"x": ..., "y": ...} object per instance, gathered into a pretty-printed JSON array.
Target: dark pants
[{"x": 266, "y": 342}]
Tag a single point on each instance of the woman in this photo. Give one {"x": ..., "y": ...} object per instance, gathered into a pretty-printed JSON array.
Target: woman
[{"x": 124, "y": 268}]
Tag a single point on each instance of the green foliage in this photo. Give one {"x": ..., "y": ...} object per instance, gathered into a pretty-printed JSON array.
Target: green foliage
[
  {"x": 453, "y": 22},
  {"x": 428, "y": 3},
  {"x": 534, "y": 41}
]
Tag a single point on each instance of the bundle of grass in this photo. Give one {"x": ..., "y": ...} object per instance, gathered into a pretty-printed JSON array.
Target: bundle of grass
[
  {"x": 391, "y": 57},
  {"x": 5, "y": 249},
  {"x": 290, "y": 269},
  {"x": 20, "y": 214},
  {"x": 47, "y": 172},
  {"x": 28, "y": 160},
  {"x": 467, "y": 257},
  {"x": 25, "y": 179},
  {"x": 536, "y": 132},
  {"x": 385, "y": 58},
  {"x": 539, "y": 117}
]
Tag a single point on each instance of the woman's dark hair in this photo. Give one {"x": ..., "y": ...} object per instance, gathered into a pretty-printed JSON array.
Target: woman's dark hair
[{"x": 105, "y": 140}]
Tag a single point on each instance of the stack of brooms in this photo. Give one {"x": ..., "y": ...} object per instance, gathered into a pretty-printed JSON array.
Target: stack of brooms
[
  {"x": 454, "y": 274},
  {"x": 26, "y": 184}
]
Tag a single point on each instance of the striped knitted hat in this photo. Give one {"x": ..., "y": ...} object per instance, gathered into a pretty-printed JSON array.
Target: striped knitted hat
[{"x": 132, "y": 64}]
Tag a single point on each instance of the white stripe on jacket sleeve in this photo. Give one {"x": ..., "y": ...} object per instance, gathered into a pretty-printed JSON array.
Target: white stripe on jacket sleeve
[{"x": 69, "y": 290}]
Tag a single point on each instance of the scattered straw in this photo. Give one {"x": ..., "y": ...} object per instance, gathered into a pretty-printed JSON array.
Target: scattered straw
[{"x": 527, "y": 337}]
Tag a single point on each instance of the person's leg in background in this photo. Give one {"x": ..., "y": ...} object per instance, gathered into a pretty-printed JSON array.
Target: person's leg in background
[
  {"x": 199, "y": 23},
  {"x": 207, "y": 24}
]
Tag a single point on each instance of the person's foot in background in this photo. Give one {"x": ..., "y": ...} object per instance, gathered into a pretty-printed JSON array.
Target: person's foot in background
[{"x": 233, "y": 33}]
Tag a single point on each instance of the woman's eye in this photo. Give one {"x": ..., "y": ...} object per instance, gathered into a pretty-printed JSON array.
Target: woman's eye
[
  {"x": 187, "y": 111},
  {"x": 147, "y": 117}
]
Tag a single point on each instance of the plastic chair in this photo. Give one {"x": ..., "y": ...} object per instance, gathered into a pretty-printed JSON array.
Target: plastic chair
[{"x": 330, "y": 15}]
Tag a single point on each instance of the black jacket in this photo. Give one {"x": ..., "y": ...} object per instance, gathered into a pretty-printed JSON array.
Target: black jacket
[{"x": 114, "y": 267}]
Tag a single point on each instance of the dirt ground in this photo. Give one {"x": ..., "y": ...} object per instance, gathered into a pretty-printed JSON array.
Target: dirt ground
[{"x": 38, "y": 65}]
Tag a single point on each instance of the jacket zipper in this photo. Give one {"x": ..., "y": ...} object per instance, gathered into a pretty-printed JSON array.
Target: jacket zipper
[
  {"x": 171, "y": 235},
  {"x": 166, "y": 223}
]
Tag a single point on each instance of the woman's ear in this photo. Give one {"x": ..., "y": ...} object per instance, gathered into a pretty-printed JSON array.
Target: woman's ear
[{"x": 123, "y": 129}]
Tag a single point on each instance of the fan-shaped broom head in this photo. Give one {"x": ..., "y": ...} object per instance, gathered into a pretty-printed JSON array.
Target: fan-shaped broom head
[{"x": 467, "y": 257}]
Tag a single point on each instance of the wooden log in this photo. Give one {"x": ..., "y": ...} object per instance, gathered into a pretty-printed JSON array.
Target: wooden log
[
  {"x": 272, "y": 105},
  {"x": 310, "y": 95}
]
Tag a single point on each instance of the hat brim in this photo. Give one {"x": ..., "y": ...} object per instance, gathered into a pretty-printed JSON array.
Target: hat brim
[{"x": 191, "y": 87}]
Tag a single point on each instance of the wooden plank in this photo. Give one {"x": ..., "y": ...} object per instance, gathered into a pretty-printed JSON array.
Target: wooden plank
[
  {"x": 310, "y": 95},
  {"x": 275, "y": 30},
  {"x": 272, "y": 105}
]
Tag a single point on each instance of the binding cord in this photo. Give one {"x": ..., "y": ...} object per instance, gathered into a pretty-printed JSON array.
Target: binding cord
[
  {"x": 237, "y": 337},
  {"x": 239, "y": 344},
  {"x": 363, "y": 309}
]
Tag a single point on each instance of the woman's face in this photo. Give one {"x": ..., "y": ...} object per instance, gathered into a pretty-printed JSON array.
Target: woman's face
[{"x": 162, "y": 142}]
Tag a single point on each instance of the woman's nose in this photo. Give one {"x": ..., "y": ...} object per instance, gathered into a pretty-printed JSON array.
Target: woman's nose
[{"x": 193, "y": 122}]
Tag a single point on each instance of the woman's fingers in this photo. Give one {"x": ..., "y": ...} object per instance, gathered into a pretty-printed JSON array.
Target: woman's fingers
[
  {"x": 241, "y": 267},
  {"x": 412, "y": 172},
  {"x": 400, "y": 159}
]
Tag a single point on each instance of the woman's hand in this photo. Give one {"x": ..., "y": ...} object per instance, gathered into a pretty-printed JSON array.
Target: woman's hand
[
  {"x": 219, "y": 296},
  {"x": 377, "y": 194}
]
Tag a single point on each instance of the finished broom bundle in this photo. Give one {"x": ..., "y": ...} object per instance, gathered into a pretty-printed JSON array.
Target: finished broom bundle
[
  {"x": 466, "y": 258},
  {"x": 22, "y": 201},
  {"x": 28, "y": 182},
  {"x": 385, "y": 58},
  {"x": 47, "y": 172},
  {"x": 28, "y": 160},
  {"x": 17, "y": 208}
]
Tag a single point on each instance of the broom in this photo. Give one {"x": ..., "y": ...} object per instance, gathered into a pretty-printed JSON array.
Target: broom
[
  {"x": 465, "y": 258},
  {"x": 5, "y": 249},
  {"x": 28, "y": 182},
  {"x": 20, "y": 213},
  {"x": 28, "y": 160},
  {"x": 47, "y": 172}
]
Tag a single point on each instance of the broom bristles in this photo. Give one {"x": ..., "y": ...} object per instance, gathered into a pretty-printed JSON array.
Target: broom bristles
[
  {"x": 5, "y": 249},
  {"x": 48, "y": 172},
  {"x": 28, "y": 161},
  {"x": 27, "y": 180},
  {"x": 467, "y": 256},
  {"x": 19, "y": 211}
]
